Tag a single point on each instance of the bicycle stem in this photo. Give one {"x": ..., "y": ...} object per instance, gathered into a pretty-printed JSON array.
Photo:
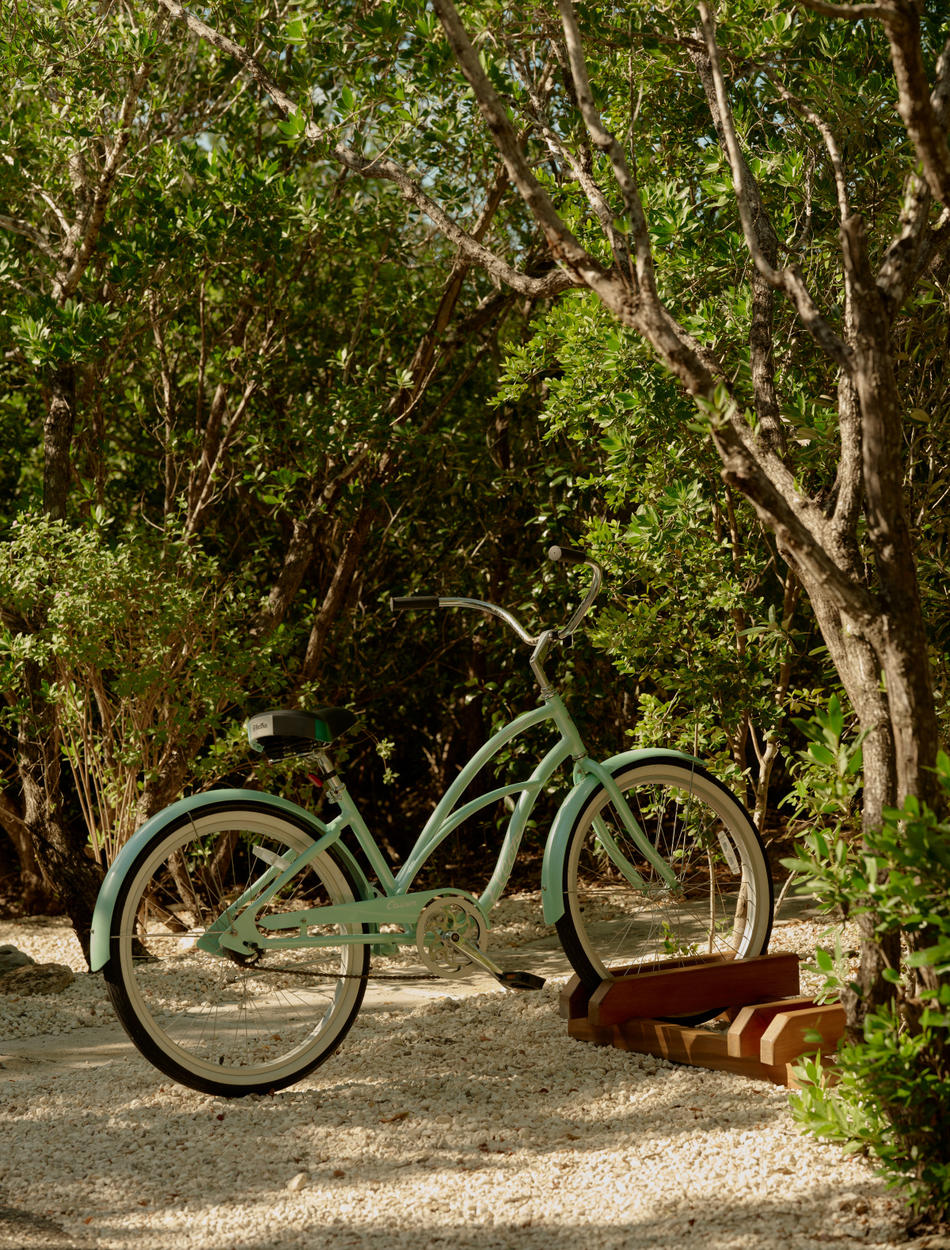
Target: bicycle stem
[{"x": 538, "y": 656}]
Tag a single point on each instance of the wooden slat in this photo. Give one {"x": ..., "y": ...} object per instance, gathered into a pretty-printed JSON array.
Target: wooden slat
[
  {"x": 581, "y": 1029},
  {"x": 574, "y": 999},
  {"x": 769, "y": 1020},
  {"x": 745, "y": 1032},
  {"x": 784, "y": 1039},
  {"x": 687, "y": 990},
  {"x": 698, "y": 1047}
]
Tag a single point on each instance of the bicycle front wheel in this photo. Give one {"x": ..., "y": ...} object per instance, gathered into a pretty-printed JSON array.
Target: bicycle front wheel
[
  {"x": 621, "y": 912},
  {"x": 222, "y": 1023}
]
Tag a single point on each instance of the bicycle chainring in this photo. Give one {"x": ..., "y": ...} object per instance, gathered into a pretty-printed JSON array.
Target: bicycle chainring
[{"x": 441, "y": 922}]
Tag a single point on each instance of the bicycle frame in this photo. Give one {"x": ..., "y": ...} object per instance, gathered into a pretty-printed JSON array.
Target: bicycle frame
[{"x": 241, "y": 928}]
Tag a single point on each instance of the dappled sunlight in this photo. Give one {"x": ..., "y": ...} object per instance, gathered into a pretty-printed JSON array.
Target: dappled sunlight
[{"x": 467, "y": 1120}]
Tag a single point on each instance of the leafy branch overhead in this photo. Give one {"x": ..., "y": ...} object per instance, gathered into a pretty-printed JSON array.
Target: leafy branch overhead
[
  {"x": 299, "y": 125},
  {"x": 549, "y": 87}
]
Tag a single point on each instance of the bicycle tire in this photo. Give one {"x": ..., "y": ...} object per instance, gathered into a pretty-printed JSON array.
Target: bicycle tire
[
  {"x": 722, "y": 904},
  {"x": 204, "y": 1019}
]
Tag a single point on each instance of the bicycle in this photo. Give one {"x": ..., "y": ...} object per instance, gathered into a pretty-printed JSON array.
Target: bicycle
[{"x": 235, "y": 928}]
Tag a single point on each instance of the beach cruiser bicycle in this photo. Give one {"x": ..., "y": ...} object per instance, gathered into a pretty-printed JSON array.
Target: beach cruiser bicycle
[{"x": 235, "y": 928}]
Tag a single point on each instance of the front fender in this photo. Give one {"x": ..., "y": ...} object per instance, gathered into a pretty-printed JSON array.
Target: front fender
[
  {"x": 552, "y": 874},
  {"x": 124, "y": 861}
]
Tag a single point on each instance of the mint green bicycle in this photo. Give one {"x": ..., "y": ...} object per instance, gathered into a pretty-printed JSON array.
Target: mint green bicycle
[{"x": 235, "y": 928}]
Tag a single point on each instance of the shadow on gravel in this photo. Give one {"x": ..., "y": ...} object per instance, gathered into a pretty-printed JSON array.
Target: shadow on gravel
[
  {"x": 20, "y": 1230},
  {"x": 680, "y": 1226},
  {"x": 421, "y": 1116}
]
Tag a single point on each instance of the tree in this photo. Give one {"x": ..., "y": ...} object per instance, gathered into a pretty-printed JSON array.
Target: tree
[
  {"x": 761, "y": 198},
  {"x": 707, "y": 631},
  {"x": 137, "y": 247},
  {"x": 91, "y": 118},
  {"x": 259, "y": 357},
  {"x": 846, "y": 535}
]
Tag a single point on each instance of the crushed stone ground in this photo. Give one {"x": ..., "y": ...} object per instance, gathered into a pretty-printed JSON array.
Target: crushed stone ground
[{"x": 455, "y": 1115}]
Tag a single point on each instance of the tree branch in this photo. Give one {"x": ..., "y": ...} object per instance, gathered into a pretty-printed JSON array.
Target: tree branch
[
  {"x": 83, "y": 237},
  {"x": 379, "y": 167},
  {"x": 849, "y": 481},
  {"x": 923, "y": 113},
  {"x": 790, "y": 278},
  {"x": 761, "y": 357},
  {"x": 851, "y": 12},
  {"x": 915, "y": 247},
  {"x": 39, "y": 240},
  {"x": 827, "y": 136},
  {"x": 801, "y": 531},
  {"x": 606, "y": 142},
  {"x": 922, "y": 119},
  {"x": 579, "y": 166},
  {"x": 563, "y": 245}
]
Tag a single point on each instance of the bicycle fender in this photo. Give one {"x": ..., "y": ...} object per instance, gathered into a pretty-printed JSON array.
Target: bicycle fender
[
  {"x": 552, "y": 871},
  {"x": 127, "y": 856}
]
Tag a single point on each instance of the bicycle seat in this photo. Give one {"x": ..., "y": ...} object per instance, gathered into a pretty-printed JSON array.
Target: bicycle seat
[{"x": 282, "y": 733}]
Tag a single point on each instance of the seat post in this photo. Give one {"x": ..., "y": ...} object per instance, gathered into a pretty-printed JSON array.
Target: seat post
[{"x": 332, "y": 782}]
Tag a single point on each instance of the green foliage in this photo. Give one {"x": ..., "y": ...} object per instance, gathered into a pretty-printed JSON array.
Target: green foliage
[
  {"x": 700, "y": 633},
  {"x": 236, "y": 352},
  {"x": 892, "y": 1083},
  {"x": 147, "y": 642},
  {"x": 827, "y": 774}
]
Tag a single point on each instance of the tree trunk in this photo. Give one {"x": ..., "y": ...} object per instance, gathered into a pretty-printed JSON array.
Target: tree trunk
[
  {"x": 35, "y": 898},
  {"x": 68, "y": 873},
  {"x": 338, "y": 591},
  {"x": 57, "y": 441},
  {"x": 859, "y": 668}
]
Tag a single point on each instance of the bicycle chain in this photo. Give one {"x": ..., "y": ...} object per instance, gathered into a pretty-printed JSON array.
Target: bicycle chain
[{"x": 344, "y": 976}]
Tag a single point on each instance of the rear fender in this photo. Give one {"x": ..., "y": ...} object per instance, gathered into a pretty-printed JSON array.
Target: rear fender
[{"x": 194, "y": 804}]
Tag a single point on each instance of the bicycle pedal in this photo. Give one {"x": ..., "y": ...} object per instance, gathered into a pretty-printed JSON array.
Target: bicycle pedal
[{"x": 519, "y": 980}]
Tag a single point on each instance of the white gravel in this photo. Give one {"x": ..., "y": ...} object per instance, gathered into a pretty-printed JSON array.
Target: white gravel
[{"x": 462, "y": 1119}]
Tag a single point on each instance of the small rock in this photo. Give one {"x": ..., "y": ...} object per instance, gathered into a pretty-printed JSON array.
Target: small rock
[
  {"x": 34, "y": 978},
  {"x": 11, "y": 958},
  {"x": 299, "y": 1181},
  {"x": 854, "y": 1203}
]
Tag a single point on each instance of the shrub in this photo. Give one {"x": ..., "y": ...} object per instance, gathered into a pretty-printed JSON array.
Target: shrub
[{"x": 888, "y": 1092}]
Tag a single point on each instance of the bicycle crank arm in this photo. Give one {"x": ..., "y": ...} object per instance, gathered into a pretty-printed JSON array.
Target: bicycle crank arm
[{"x": 510, "y": 980}]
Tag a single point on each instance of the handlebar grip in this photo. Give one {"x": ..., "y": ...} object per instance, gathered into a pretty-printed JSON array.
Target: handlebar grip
[
  {"x": 406, "y": 603},
  {"x": 567, "y": 555}
]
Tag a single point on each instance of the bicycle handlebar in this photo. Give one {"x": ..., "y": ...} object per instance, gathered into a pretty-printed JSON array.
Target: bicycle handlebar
[
  {"x": 568, "y": 555},
  {"x": 405, "y": 603},
  {"x": 562, "y": 555}
]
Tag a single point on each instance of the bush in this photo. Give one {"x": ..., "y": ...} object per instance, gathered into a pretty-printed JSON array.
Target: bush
[
  {"x": 888, "y": 1093},
  {"x": 148, "y": 642}
]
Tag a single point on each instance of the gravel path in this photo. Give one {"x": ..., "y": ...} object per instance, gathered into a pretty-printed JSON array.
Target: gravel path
[{"x": 455, "y": 1114}]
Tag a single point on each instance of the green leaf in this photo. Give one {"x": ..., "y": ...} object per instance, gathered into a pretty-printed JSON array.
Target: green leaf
[
  {"x": 296, "y": 31},
  {"x": 824, "y": 960}
]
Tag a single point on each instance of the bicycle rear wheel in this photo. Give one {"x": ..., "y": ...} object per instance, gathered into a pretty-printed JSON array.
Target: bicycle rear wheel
[
  {"x": 619, "y": 912},
  {"x": 213, "y": 1022}
]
